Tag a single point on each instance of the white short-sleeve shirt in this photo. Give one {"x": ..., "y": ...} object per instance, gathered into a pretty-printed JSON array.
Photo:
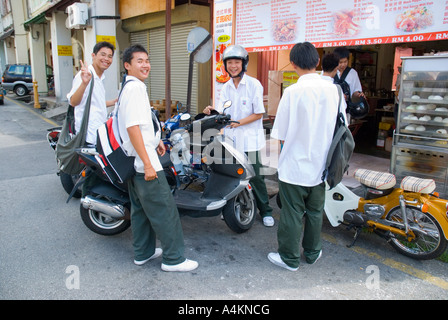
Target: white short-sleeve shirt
[
  {"x": 353, "y": 81},
  {"x": 247, "y": 99},
  {"x": 305, "y": 120},
  {"x": 134, "y": 109},
  {"x": 98, "y": 108}
]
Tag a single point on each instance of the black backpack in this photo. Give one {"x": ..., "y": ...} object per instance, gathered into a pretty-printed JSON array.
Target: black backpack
[
  {"x": 340, "y": 151},
  {"x": 344, "y": 85}
]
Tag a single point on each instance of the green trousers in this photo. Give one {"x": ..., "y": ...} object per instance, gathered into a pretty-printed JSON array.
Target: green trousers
[
  {"x": 258, "y": 185},
  {"x": 154, "y": 213},
  {"x": 300, "y": 202}
]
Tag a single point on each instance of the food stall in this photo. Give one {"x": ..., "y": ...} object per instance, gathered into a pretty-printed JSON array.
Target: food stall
[
  {"x": 420, "y": 144},
  {"x": 375, "y": 31}
]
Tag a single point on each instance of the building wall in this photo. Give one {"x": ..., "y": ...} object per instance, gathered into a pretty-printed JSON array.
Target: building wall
[{"x": 180, "y": 16}]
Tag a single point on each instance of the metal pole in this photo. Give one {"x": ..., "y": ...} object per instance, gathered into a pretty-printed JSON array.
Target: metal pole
[{"x": 168, "y": 59}]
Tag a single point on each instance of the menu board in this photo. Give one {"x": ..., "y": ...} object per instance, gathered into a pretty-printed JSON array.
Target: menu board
[
  {"x": 263, "y": 25},
  {"x": 223, "y": 15}
]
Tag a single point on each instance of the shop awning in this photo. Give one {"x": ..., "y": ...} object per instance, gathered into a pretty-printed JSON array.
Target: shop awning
[
  {"x": 6, "y": 34},
  {"x": 39, "y": 19}
]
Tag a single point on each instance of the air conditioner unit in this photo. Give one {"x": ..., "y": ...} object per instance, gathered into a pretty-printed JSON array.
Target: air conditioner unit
[{"x": 78, "y": 14}]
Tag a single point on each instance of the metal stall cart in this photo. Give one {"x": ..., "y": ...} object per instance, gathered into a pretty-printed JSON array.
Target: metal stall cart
[{"x": 420, "y": 144}]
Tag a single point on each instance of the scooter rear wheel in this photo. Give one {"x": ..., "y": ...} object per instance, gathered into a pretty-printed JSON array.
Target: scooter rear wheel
[
  {"x": 239, "y": 212},
  {"x": 101, "y": 223},
  {"x": 429, "y": 242}
]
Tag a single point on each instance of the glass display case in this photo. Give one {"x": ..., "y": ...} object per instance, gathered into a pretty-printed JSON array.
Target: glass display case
[{"x": 420, "y": 144}]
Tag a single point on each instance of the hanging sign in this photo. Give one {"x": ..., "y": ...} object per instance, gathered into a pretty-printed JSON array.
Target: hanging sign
[
  {"x": 279, "y": 24},
  {"x": 223, "y": 15},
  {"x": 65, "y": 51}
]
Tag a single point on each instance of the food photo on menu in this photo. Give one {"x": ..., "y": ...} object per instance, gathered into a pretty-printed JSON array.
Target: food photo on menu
[
  {"x": 284, "y": 31},
  {"x": 221, "y": 75},
  {"x": 346, "y": 23},
  {"x": 414, "y": 19}
]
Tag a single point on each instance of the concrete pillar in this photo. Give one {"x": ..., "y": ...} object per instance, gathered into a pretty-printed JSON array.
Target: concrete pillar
[
  {"x": 10, "y": 54},
  {"x": 20, "y": 37},
  {"x": 36, "y": 38},
  {"x": 103, "y": 28},
  {"x": 62, "y": 55}
]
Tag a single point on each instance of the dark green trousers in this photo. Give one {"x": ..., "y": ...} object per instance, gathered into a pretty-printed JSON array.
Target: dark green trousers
[
  {"x": 258, "y": 185},
  {"x": 300, "y": 202},
  {"x": 154, "y": 213}
]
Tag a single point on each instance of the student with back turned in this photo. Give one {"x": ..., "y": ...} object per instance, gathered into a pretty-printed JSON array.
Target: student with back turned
[{"x": 305, "y": 121}]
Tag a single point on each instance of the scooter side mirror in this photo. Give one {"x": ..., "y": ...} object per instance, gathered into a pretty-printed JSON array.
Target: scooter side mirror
[
  {"x": 226, "y": 105},
  {"x": 185, "y": 117}
]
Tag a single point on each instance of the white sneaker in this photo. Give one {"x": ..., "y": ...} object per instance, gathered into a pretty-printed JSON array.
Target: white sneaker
[
  {"x": 157, "y": 253},
  {"x": 187, "y": 265},
  {"x": 318, "y": 257},
  {"x": 268, "y": 221},
  {"x": 275, "y": 258}
]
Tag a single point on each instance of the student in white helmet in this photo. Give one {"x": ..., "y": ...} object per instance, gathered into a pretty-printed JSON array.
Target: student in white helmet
[{"x": 246, "y": 94}]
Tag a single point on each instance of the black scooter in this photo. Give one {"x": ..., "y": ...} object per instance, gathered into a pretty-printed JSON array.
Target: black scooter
[{"x": 224, "y": 187}]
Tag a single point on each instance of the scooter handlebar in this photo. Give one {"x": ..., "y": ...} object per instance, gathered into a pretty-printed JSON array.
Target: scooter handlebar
[{"x": 216, "y": 121}]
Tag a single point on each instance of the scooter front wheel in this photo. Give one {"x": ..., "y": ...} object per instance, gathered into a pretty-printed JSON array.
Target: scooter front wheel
[
  {"x": 239, "y": 212},
  {"x": 429, "y": 242}
]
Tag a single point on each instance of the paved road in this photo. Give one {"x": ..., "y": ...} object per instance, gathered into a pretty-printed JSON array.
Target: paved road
[{"x": 47, "y": 253}]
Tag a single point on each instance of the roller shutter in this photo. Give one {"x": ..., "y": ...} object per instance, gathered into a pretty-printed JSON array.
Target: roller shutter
[
  {"x": 179, "y": 65},
  {"x": 154, "y": 41}
]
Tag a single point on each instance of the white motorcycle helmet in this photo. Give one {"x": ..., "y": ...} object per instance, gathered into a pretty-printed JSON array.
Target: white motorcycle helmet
[{"x": 236, "y": 52}]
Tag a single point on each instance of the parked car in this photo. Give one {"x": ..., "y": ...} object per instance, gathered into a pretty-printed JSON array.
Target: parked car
[{"x": 18, "y": 78}]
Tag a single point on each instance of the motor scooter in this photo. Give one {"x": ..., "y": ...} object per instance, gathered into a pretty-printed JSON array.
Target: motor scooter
[
  {"x": 177, "y": 121},
  {"x": 68, "y": 181},
  {"x": 412, "y": 217},
  {"x": 226, "y": 189}
]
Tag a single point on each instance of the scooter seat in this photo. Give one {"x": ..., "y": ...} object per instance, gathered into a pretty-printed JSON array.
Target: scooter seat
[
  {"x": 414, "y": 184},
  {"x": 375, "y": 179}
]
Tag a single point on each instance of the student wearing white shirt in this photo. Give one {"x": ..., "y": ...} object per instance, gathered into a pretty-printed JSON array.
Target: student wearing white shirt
[
  {"x": 351, "y": 78},
  {"x": 102, "y": 57},
  {"x": 330, "y": 63},
  {"x": 153, "y": 210},
  {"x": 246, "y": 94},
  {"x": 305, "y": 121}
]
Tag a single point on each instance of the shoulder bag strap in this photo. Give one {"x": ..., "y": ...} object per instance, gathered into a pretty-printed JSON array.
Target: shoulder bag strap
[
  {"x": 85, "y": 117},
  {"x": 118, "y": 105},
  {"x": 336, "y": 135},
  {"x": 340, "y": 97},
  {"x": 345, "y": 73}
]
